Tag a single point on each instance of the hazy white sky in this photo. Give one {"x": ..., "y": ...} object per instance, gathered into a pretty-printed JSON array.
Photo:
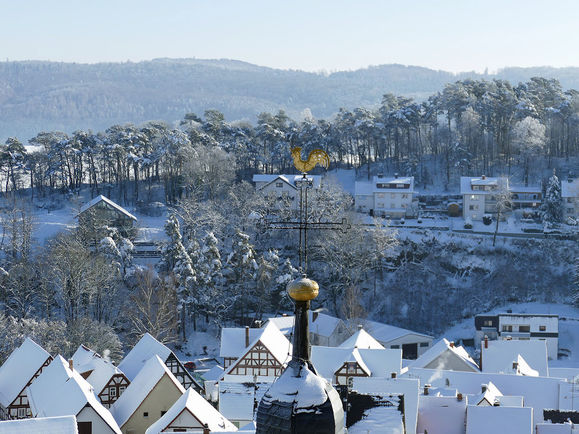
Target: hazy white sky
[{"x": 455, "y": 35}]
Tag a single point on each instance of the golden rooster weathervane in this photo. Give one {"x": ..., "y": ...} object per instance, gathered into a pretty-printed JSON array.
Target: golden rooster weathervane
[{"x": 317, "y": 156}]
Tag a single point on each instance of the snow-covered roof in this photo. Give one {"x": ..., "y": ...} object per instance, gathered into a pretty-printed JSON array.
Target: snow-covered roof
[
  {"x": 290, "y": 179},
  {"x": 272, "y": 339},
  {"x": 444, "y": 354},
  {"x": 102, "y": 198},
  {"x": 233, "y": 340},
  {"x": 395, "y": 181},
  {"x": 362, "y": 339},
  {"x": 384, "y": 417},
  {"x": 555, "y": 428},
  {"x": 193, "y": 403},
  {"x": 385, "y": 333},
  {"x": 40, "y": 425},
  {"x": 570, "y": 189},
  {"x": 213, "y": 374},
  {"x": 501, "y": 354},
  {"x": 512, "y": 420},
  {"x": 466, "y": 183},
  {"x": 146, "y": 348},
  {"x": 374, "y": 362},
  {"x": 59, "y": 391},
  {"x": 490, "y": 394},
  {"x": 525, "y": 188},
  {"x": 146, "y": 380},
  {"x": 19, "y": 368},
  {"x": 320, "y": 323},
  {"x": 94, "y": 368},
  {"x": 236, "y": 399},
  {"x": 441, "y": 414},
  {"x": 538, "y": 392}
]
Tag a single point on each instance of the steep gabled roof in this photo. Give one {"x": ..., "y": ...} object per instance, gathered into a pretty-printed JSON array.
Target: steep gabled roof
[
  {"x": 233, "y": 340},
  {"x": 94, "y": 368},
  {"x": 362, "y": 339},
  {"x": 500, "y": 355},
  {"x": 40, "y": 425},
  {"x": 145, "y": 381},
  {"x": 320, "y": 323},
  {"x": 58, "y": 391},
  {"x": 512, "y": 420},
  {"x": 101, "y": 198},
  {"x": 490, "y": 394},
  {"x": 272, "y": 339},
  {"x": 199, "y": 408},
  {"x": 386, "y": 333},
  {"x": 146, "y": 348},
  {"x": 443, "y": 350},
  {"x": 19, "y": 368}
]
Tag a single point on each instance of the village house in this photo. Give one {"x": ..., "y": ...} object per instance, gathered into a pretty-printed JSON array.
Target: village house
[
  {"x": 341, "y": 365},
  {"x": 570, "y": 198},
  {"x": 526, "y": 197},
  {"x": 40, "y": 425},
  {"x": 325, "y": 329},
  {"x": 447, "y": 356},
  {"x": 283, "y": 188},
  {"x": 148, "y": 347},
  {"x": 264, "y": 356},
  {"x": 152, "y": 392},
  {"x": 61, "y": 391},
  {"x": 413, "y": 344},
  {"x": 101, "y": 211},
  {"x": 520, "y": 326},
  {"x": 386, "y": 197},
  {"x": 191, "y": 413},
  {"x": 108, "y": 381},
  {"x": 362, "y": 339},
  {"x": 479, "y": 195},
  {"x": 18, "y": 372}
]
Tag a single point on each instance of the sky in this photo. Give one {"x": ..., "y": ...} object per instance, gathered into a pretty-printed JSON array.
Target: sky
[{"x": 314, "y": 35}]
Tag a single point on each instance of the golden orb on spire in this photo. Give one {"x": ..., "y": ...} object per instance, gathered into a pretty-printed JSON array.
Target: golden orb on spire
[{"x": 303, "y": 289}]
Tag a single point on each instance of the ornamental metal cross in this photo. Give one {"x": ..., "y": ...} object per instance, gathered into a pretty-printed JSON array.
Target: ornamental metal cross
[{"x": 303, "y": 224}]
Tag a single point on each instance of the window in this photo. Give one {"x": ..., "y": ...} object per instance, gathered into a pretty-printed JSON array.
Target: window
[
  {"x": 392, "y": 195},
  {"x": 21, "y": 412},
  {"x": 507, "y": 328},
  {"x": 405, "y": 196},
  {"x": 524, "y": 328},
  {"x": 394, "y": 347},
  {"x": 542, "y": 328},
  {"x": 488, "y": 323},
  {"x": 423, "y": 344},
  {"x": 473, "y": 197},
  {"x": 401, "y": 186},
  {"x": 145, "y": 414},
  {"x": 112, "y": 392},
  {"x": 279, "y": 184},
  {"x": 122, "y": 389}
]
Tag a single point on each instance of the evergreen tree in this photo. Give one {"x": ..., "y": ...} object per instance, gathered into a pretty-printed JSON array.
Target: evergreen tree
[
  {"x": 241, "y": 271},
  {"x": 553, "y": 204},
  {"x": 214, "y": 297}
]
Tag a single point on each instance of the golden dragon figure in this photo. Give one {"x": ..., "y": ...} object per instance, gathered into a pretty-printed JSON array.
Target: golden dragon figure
[{"x": 317, "y": 156}]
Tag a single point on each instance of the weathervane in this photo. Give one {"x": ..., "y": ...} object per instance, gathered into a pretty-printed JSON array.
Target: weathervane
[{"x": 305, "y": 183}]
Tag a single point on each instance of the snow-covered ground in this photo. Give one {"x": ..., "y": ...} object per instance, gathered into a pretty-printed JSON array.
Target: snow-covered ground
[{"x": 568, "y": 328}]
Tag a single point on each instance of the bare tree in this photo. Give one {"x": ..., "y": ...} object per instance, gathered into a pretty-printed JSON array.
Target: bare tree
[
  {"x": 154, "y": 307},
  {"x": 504, "y": 202}
]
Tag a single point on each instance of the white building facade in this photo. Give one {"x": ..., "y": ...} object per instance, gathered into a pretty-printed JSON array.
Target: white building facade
[
  {"x": 386, "y": 197},
  {"x": 479, "y": 195},
  {"x": 570, "y": 197}
]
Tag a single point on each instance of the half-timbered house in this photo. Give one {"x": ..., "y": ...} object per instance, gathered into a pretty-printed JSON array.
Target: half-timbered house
[
  {"x": 108, "y": 381},
  {"x": 149, "y": 396},
  {"x": 265, "y": 356},
  {"x": 18, "y": 372},
  {"x": 148, "y": 347},
  {"x": 60, "y": 391},
  {"x": 191, "y": 413},
  {"x": 342, "y": 365}
]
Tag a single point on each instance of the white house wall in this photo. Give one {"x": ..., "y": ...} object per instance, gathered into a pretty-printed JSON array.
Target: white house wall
[
  {"x": 99, "y": 426},
  {"x": 409, "y": 339}
]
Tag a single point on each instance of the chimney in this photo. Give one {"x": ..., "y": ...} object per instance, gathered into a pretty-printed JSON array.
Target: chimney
[
  {"x": 396, "y": 176},
  {"x": 451, "y": 344},
  {"x": 246, "y": 336},
  {"x": 496, "y": 403},
  {"x": 426, "y": 387},
  {"x": 71, "y": 364},
  {"x": 393, "y": 375},
  {"x": 483, "y": 177},
  {"x": 515, "y": 366},
  {"x": 483, "y": 388},
  {"x": 486, "y": 341},
  {"x": 459, "y": 396},
  {"x": 360, "y": 326}
]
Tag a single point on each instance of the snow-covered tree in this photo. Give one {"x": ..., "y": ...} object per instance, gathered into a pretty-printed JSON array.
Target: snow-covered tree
[
  {"x": 285, "y": 273},
  {"x": 576, "y": 283},
  {"x": 553, "y": 203},
  {"x": 241, "y": 271},
  {"x": 504, "y": 203},
  {"x": 529, "y": 138}
]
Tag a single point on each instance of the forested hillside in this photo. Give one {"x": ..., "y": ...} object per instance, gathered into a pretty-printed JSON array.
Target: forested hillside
[{"x": 37, "y": 96}]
